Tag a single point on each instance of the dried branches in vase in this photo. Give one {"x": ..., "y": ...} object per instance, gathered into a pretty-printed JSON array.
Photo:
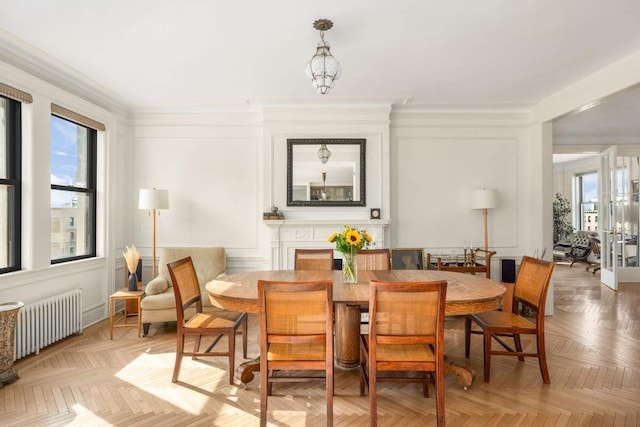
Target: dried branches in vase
[{"x": 131, "y": 258}]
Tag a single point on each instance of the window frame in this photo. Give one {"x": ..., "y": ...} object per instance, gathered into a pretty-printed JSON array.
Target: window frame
[
  {"x": 580, "y": 202},
  {"x": 14, "y": 179},
  {"x": 90, "y": 189}
]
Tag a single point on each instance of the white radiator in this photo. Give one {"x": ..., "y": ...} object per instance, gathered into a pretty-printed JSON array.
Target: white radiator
[{"x": 44, "y": 322}]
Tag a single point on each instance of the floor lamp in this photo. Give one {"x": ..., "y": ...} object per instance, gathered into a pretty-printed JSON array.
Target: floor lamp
[
  {"x": 485, "y": 199},
  {"x": 153, "y": 199}
]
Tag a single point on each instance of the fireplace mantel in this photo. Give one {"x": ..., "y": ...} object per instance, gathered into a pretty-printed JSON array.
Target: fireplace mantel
[{"x": 287, "y": 235}]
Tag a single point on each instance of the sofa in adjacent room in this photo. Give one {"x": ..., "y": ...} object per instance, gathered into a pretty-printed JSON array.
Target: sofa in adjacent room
[{"x": 159, "y": 304}]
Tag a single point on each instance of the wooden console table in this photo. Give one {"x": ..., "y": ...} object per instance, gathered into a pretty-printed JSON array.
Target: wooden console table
[{"x": 481, "y": 263}]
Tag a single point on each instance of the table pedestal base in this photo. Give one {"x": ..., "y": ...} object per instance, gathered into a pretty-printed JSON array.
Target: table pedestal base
[
  {"x": 245, "y": 370},
  {"x": 347, "y": 328},
  {"x": 464, "y": 376}
]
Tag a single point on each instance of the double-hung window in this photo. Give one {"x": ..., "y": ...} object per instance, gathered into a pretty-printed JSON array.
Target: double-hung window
[
  {"x": 587, "y": 192},
  {"x": 10, "y": 184},
  {"x": 73, "y": 188}
]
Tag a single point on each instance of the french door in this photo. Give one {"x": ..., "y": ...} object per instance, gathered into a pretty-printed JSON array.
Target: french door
[{"x": 619, "y": 212}]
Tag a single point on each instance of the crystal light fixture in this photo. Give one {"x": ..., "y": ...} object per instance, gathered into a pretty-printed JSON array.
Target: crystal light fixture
[
  {"x": 323, "y": 69},
  {"x": 324, "y": 153}
]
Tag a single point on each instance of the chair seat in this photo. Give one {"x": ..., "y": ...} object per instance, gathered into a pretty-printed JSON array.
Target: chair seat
[
  {"x": 308, "y": 351},
  {"x": 224, "y": 319},
  {"x": 504, "y": 319},
  {"x": 401, "y": 352}
]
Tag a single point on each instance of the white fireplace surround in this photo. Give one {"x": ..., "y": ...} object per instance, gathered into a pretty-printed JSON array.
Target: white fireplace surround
[{"x": 287, "y": 235}]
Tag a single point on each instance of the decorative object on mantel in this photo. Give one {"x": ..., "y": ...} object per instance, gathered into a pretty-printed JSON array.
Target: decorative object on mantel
[
  {"x": 348, "y": 242},
  {"x": 375, "y": 213},
  {"x": 485, "y": 199},
  {"x": 131, "y": 258},
  {"x": 8, "y": 319},
  {"x": 274, "y": 214},
  {"x": 153, "y": 200},
  {"x": 323, "y": 69}
]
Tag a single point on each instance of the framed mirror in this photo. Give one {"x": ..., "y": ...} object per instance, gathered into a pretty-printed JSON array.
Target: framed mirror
[{"x": 326, "y": 172}]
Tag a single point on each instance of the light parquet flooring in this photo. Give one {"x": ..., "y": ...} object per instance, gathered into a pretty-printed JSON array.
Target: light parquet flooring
[{"x": 593, "y": 347}]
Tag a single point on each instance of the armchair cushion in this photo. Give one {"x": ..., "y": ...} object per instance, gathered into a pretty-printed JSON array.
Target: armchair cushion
[
  {"x": 156, "y": 286},
  {"x": 209, "y": 263}
]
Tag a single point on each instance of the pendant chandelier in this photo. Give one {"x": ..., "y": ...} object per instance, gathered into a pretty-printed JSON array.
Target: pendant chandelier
[
  {"x": 324, "y": 153},
  {"x": 323, "y": 69}
]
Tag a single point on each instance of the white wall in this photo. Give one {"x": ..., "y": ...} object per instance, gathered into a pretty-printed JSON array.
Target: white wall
[
  {"x": 211, "y": 165},
  {"x": 39, "y": 279},
  {"x": 438, "y": 160},
  {"x": 224, "y": 170}
]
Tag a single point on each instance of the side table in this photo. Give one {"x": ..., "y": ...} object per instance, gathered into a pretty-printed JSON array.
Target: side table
[{"x": 125, "y": 295}]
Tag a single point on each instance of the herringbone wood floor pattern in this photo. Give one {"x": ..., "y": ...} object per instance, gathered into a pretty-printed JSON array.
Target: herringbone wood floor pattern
[{"x": 593, "y": 344}]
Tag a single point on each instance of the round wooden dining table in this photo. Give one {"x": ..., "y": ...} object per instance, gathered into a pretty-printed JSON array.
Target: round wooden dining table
[{"x": 466, "y": 294}]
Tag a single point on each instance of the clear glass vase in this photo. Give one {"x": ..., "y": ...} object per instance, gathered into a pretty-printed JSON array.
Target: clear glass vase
[{"x": 350, "y": 267}]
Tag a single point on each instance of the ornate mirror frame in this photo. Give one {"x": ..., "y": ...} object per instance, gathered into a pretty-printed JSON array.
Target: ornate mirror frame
[{"x": 291, "y": 167}]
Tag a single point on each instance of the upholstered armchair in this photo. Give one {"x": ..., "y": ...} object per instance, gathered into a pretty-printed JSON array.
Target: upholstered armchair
[
  {"x": 159, "y": 304},
  {"x": 575, "y": 248}
]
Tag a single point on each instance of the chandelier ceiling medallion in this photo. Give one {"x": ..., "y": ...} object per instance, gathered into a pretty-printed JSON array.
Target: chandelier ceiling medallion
[
  {"x": 324, "y": 153},
  {"x": 323, "y": 69}
]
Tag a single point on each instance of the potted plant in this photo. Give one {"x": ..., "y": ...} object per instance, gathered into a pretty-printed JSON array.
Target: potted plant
[{"x": 561, "y": 223}]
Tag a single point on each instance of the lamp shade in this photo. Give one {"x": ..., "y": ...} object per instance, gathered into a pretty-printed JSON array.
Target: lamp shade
[
  {"x": 487, "y": 198},
  {"x": 153, "y": 199}
]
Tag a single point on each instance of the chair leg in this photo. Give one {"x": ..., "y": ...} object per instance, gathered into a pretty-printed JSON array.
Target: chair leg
[
  {"x": 196, "y": 346},
  {"x": 467, "y": 336},
  {"x": 373, "y": 394},
  {"x": 244, "y": 337},
  {"x": 518, "y": 343},
  {"x": 542, "y": 360},
  {"x": 425, "y": 385},
  {"x": 329, "y": 386},
  {"x": 487, "y": 355},
  {"x": 440, "y": 394},
  {"x": 179, "y": 351},
  {"x": 232, "y": 353},
  {"x": 362, "y": 367},
  {"x": 264, "y": 380}
]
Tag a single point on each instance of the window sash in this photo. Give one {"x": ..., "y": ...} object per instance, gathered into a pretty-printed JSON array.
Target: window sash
[
  {"x": 11, "y": 180},
  {"x": 90, "y": 230}
]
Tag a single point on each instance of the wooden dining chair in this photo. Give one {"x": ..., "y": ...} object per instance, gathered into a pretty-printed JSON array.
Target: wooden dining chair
[
  {"x": 530, "y": 291},
  {"x": 314, "y": 259},
  {"x": 296, "y": 334},
  {"x": 374, "y": 259},
  {"x": 406, "y": 333},
  {"x": 218, "y": 323}
]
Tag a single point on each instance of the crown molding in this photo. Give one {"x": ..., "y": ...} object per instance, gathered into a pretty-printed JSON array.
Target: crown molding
[{"x": 25, "y": 57}]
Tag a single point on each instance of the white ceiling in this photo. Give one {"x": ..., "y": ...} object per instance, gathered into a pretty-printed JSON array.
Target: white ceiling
[{"x": 152, "y": 54}]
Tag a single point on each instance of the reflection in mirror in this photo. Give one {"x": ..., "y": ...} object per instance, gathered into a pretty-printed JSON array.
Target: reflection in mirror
[{"x": 326, "y": 172}]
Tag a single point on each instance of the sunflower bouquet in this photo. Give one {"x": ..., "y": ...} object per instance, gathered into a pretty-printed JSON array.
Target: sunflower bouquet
[{"x": 348, "y": 242}]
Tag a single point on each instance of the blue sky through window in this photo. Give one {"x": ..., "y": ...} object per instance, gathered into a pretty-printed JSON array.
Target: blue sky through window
[
  {"x": 64, "y": 159},
  {"x": 590, "y": 187}
]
